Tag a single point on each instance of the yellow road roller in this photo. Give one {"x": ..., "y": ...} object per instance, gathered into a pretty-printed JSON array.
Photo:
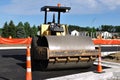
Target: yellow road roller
[{"x": 55, "y": 48}]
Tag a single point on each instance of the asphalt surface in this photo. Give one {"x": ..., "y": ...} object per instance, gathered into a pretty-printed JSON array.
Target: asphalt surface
[
  {"x": 12, "y": 67},
  {"x": 110, "y": 48},
  {"x": 12, "y": 64}
]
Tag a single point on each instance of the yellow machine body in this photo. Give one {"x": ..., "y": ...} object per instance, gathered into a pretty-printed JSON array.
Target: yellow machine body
[{"x": 45, "y": 30}]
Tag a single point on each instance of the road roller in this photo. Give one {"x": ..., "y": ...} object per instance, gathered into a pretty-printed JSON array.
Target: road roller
[{"x": 55, "y": 48}]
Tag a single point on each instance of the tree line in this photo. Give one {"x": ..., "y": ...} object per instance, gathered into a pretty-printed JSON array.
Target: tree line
[
  {"x": 102, "y": 28},
  {"x": 23, "y": 30},
  {"x": 109, "y": 28}
]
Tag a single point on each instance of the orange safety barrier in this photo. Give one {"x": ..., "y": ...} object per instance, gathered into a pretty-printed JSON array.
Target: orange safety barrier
[
  {"x": 28, "y": 41},
  {"x": 15, "y": 40},
  {"x": 106, "y": 41}
]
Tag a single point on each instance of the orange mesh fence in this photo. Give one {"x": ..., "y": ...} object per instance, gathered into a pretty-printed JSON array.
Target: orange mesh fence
[
  {"x": 106, "y": 41},
  {"x": 15, "y": 40},
  {"x": 28, "y": 41}
]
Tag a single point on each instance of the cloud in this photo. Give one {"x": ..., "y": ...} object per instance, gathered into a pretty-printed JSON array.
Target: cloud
[
  {"x": 95, "y": 6},
  {"x": 27, "y": 7},
  {"x": 111, "y": 4},
  {"x": 32, "y": 7},
  {"x": 86, "y": 6}
]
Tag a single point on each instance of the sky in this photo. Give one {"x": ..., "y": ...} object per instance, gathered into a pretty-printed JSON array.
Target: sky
[{"x": 83, "y": 12}]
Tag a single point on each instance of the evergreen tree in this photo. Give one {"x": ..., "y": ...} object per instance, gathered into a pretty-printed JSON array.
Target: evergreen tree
[
  {"x": 20, "y": 32},
  {"x": 5, "y": 31},
  {"x": 0, "y": 31},
  {"x": 27, "y": 29},
  {"x": 117, "y": 28},
  {"x": 20, "y": 24},
  {"x": 34, "y": 31},
  {"x": 106, "y": 28},
  {"x": 12, "y": 29}
]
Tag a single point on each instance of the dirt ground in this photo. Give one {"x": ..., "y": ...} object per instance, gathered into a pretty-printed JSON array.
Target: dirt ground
[{"x": 112, "y": 58}]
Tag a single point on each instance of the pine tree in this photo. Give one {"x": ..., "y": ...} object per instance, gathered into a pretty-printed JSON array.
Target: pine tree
[
  {"x": 27, "y": 29},
  {"x": 34, "y": 31},
  {"x": 20, "y": 32},
  {"x": 0, "y": 31},
  {"x": 20, "y": 24},
  {"x": 5, "y": 31},
  {"x": 12, "y": 29}
]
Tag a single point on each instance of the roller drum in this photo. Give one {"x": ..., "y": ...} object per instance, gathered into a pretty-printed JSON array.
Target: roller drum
[
  {"x": 70, "y": 43},
  {"x": 63, "y": 52}
]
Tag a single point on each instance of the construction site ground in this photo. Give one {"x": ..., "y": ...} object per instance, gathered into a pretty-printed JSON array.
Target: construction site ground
[
  {"x": 13, "y": 67},
  {"x": 115, "y": 57}
]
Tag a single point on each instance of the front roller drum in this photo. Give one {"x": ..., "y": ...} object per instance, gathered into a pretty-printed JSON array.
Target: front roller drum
[
  {"x": 53, "y": 52},
  {"x": 47, "y": 59},
  {"x": 46, "y": 65}
]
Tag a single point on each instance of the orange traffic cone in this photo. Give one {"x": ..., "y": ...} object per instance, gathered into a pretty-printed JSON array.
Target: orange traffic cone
[
  {"x": 99, "y": 67},
  {"x": 28, "y": 65}
]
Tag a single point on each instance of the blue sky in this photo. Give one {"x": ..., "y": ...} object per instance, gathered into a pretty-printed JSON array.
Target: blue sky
[{"x": 83, "y": 12}]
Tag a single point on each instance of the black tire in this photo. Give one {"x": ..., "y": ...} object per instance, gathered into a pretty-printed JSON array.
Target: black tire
[
  {"x": 43, "y": 65},
  {"x": 33, "y": 51},
  {"x": 37, "y": 64}
]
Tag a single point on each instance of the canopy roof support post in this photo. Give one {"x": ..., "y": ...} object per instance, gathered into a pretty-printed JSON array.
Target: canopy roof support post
[
  {"x": 59, "y": 17},
  {"x": 45, "y": 21}
]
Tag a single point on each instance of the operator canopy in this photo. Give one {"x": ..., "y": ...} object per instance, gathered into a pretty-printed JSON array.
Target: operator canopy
[{"x": 55, "y": 9}]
